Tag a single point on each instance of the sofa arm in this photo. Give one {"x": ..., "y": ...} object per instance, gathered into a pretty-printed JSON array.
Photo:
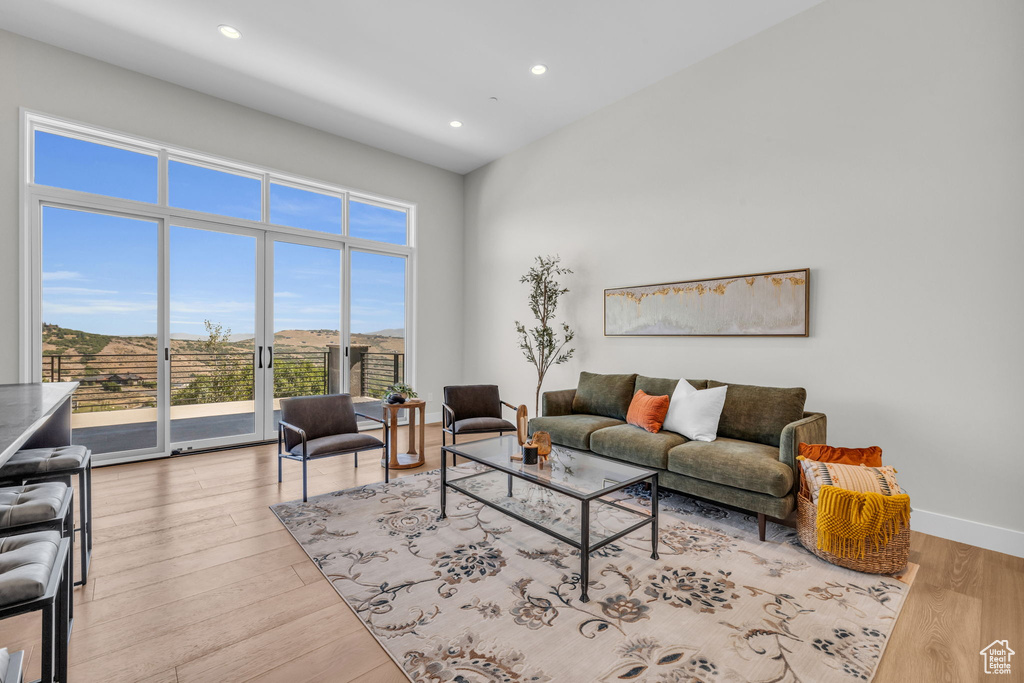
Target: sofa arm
[
  {"x": 811, "y": 429},
  {"x": 557, "y": 402}
]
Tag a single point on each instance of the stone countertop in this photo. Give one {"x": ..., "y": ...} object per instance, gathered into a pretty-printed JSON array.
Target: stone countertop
[{"x": 24, "y": 408}]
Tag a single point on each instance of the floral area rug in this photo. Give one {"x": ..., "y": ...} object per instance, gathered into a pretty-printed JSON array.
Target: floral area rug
[{"x": 479, "y": 596}]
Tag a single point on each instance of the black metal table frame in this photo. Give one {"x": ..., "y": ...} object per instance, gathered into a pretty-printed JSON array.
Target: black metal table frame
[{"x": 583, "y": 545}]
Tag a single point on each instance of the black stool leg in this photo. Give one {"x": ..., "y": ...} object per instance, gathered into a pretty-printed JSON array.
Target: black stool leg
[
  {"x": 304, "y": 497},
  {"x": 68, "y": 532},
  {"x": 84, "y": 522},
  {"x": 64, "y": 598},
  {"x": 48, "y": 642},
  {"x": 88, "y": 500}
]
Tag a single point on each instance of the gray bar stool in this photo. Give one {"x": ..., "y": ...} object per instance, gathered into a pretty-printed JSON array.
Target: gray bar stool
[
  {"x": 32, "y": 568},
  {"x": 37, "y": 465},
  {"x": 40, "y": 507}
]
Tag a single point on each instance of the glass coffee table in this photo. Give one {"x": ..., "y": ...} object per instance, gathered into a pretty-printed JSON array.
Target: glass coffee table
[{"x": 544, "y": 496}]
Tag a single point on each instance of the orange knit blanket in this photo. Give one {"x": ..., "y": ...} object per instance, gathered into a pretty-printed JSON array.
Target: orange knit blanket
[{"x": 847, "y": 520}]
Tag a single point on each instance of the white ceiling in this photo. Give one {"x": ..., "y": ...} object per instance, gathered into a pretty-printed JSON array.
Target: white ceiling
[{"x": 393, "y": 73}]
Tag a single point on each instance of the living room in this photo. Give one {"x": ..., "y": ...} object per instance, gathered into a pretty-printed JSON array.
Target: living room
[{"x": 878, "y": 145}]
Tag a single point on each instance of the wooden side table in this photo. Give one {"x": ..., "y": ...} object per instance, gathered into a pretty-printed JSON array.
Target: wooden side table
[{"x": 414, "y": 458}]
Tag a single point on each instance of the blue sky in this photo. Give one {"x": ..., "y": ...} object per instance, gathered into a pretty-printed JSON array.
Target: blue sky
[{"x": 100, "y": 271}]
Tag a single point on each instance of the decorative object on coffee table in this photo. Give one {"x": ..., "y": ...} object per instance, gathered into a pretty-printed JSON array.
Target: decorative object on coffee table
[
  {"x": 772, "y": 304},
  {"x": 543, "y": 442},
  {"x": 522, "y": 424},
  {"x": 540, "y": 344},
  {"x": 412, "y": 458}
]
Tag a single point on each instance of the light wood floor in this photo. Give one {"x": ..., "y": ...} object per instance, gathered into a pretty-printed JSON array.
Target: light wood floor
[{"x": 194, "y": 579}]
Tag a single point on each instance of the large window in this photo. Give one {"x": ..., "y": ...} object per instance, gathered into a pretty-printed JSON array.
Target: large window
[
  {"x": 77, "y": 164},
  {"x": 189, "y": 294}
]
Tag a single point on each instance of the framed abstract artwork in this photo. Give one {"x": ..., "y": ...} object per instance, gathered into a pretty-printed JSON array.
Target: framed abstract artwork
[{"x": 772, "y": 304}]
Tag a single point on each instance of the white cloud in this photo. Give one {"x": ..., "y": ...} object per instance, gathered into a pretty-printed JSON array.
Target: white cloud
[
  {"x": 61, "y": 275},
  {"x": 77, "y": 290},
  {"x": 285, "y": 295},
  {"x": 211, "y": 307},
  {"x": 94, "y": 307}
]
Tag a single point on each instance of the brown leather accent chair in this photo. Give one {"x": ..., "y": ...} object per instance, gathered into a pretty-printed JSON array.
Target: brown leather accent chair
[
  {"x": 314, "y": 427},
  {"x": 473, "y": 409}
]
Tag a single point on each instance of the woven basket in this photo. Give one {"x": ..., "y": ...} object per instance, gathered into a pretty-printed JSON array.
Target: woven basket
[{"x": 890, "y": 559}]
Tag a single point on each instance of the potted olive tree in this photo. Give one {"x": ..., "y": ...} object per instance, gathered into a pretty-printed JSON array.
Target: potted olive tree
[{"x": 540, "y": 344}]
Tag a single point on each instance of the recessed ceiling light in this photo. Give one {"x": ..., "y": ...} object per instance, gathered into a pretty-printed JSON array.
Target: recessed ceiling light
[
  {"x": 538, "y": 69},
  {"x": 229, "y": 32},
  {"x": 455, "y": 124}
]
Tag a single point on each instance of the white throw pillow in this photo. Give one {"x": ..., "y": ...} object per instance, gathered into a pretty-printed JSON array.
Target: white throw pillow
[{"x": 695, "y": 413}]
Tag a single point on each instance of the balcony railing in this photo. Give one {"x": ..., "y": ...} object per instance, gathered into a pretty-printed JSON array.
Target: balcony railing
[
  {"x": 127, "y": 381},
  {"x": 107, "y": 381},
  {"x": 379, "y": 371}
]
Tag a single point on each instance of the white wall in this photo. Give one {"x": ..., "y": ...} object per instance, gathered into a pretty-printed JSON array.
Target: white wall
[
  {"x": 54, "y": 81},
  {"x": 878, "y": 142}
]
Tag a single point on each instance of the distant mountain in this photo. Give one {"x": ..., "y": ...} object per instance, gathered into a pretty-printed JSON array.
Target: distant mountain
[{"x": 58, "y": 340}]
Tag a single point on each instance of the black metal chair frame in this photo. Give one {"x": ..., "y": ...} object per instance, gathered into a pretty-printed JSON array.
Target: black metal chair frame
[
  {"x": 304, "y": 458},
  {"x": 64, "y": 524},
  {"x": 55, "y": 605},
  {"x": 448, "y": 425},
  {"x": 84, "y": 474},
  {"x": 14, "y": 662}
]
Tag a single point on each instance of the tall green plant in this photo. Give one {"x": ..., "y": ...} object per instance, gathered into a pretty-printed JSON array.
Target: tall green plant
[{"x": 540, "y": 344}]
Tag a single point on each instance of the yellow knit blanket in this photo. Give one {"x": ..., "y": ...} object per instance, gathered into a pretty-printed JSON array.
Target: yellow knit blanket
[{"x": 848, "y": 519}]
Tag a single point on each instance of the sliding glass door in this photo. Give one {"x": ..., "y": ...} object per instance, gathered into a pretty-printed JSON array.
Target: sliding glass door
[
  {"x": 101, "y": 324},
  {"x": 304, "y": 356},
  {"x": 377, "y": 285},
  {"x": 215, "y": 321}
]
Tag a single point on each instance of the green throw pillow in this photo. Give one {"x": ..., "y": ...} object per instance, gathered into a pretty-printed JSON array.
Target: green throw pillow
[
  {"x": 758, "y": 414},
  {"x": 607, "y": 395}
]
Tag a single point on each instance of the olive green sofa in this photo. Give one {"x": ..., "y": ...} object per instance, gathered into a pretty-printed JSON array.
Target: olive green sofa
[{"x": 751, "y": 465}]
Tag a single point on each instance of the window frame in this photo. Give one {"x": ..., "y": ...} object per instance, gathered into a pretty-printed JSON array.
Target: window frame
[
  {"x": 32, "y": 197},
  {"x": 273, "y": 179}
]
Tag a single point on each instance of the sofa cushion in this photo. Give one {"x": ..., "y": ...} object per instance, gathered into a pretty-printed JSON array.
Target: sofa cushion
[
  {"x": 758, "y": 414},
  {"x": 659, "y": 386},
  {"x": 633, "y": 444},
  {"x": 741, "y": 464},
  {"x": 572, "y": 430},
  {"x": 607, "y": 395}
]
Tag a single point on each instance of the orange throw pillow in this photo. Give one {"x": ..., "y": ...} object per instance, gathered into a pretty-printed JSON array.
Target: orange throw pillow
[
  {"x": 647, "y": 411},
  {"x": 872, "y": 457}
]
